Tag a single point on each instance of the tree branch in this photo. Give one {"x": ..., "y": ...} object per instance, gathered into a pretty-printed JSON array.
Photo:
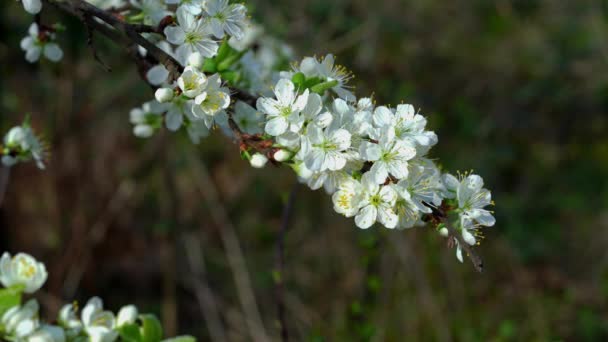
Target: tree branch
[{"x": 475, "y": 259}]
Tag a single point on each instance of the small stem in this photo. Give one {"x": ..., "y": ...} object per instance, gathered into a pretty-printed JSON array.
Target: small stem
[
  {"x": 475, "y": 259},
  {"x": 280, "y": 263}
]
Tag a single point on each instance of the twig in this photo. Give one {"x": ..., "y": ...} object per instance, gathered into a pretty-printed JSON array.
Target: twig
[
  {"x": 91, "y": 44},
  {"x": 204, "y": 295},
  {"x": 280, "y": 263},
  {"x": 475, "y": 259},
  {"x": 5, "y": 173},
  {"x": 233, "y": 250}
]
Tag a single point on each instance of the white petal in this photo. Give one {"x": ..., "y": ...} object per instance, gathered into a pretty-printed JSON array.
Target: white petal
[
  {"x": 173, "y": 120},
  {"x": 157, "y": 75},
  {"x": 366, "y": 217},
  {"x": 387, "y": 217},
  {"x": 175, "y": 35},
  {"x": 33, "y": 55},
  {"x": 32, "y": 6},
  {"x": 383, "y": 116},
  {"x": 53, "y": 52},
  {"x": 341, "y": 137},
  {"x": 276, "y": 126},
  {"x": 370, "y": 151},
  {"x": 379, "y": 172},
  {"x": 285, "y": 92},
  {"x": 482, "y": 216},
  {"x": 268, "y": 106}
]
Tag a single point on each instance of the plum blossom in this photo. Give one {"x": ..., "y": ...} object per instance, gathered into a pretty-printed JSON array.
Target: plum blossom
[
  {"x": 283, "y": 111},
  {"x": 192, "y": 34},
  {"x": 390, "y": 156},
  {"x": 22, "y": 269},
  {"x": 226, "y": 17},
  {"x": 40, "y": 43}
]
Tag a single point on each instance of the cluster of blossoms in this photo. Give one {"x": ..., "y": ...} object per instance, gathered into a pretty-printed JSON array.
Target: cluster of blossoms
[
  {"x": 22, "y": 274},
  {"x": 371, "y": 159},
  {"x": 20, "y": 144}
]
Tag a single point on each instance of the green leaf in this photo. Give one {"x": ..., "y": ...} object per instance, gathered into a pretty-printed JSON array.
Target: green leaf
[
  {"x": 210, "y": 66},
  {"x": 10, "y": 297},
  {"x": 232, "y": 77},
  {"x": 184, "y": 338},
  {"x": 151, "y": 330},
  {"x": 298, "y": 79},
  {"x": 311, "y": 82},
  {"x": 229, "y": 61},
  {"x": 224, "y": 51},
  {"x": 322, "y": 87},
  {"x": 130, "y": 333}
]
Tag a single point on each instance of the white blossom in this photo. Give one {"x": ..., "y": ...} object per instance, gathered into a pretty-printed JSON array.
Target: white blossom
[
  {"x": 192, "y": 34},
  {"x": 98, "y": 324},
  {"x": 472, "y": 198},
  {"x": 21, "y": 321},
  {"x": 407, "y": 124},
  {"x": 213, "y": 99},
  {"x": 285, "y": 109},
  {"x": 147, "y": 119},
  {"x": 327, "y": 148},
  {"x": 390, "y": 156},
  {"x": 192, "y": 82},
  {"x": 226, "y": 17},
  {"x": 22, "y": 269},
  {"x": 377, "y": 204},
  {"x": 40, "y": 43}
]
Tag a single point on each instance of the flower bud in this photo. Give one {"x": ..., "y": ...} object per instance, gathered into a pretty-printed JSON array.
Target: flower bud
[
  {"x": 127, "y": 315},
  {"x": 22, "y": 269},
  {"x": 196, "y": 60},
  {"x": 444, "y": 232},
  {"x": 258, "y": 160},
  {"x": 143, "y": 131},
  {"x": 164, "y": 95},
  {"x": 281, "y": 155}
]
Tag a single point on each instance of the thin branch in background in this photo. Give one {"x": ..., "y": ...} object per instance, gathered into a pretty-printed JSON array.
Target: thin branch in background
[
  {"x": 91, "y": 44},
  {"x": 279, "y": 273},
  {"x": 230, "y": 240},
  {"x": 409, "y": 258},
  {"x": 77, "y": 261},
  {"x": 5, "y": 174},
  {"x": 204, "y": 295}
]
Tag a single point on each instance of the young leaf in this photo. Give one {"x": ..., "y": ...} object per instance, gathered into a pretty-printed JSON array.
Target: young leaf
[
  {"x": 181, "y": 339},
  {"x": 151, "y": 330},
  {"x": 10, "y": 297},
  {"x": 130, "y": 333}
]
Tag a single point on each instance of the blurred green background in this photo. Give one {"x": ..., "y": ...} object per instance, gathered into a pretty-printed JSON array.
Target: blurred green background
[{"x": 516, "y": 90}]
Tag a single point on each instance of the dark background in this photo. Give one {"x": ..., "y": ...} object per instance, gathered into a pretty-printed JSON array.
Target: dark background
[{"x": 515, "y": 90}]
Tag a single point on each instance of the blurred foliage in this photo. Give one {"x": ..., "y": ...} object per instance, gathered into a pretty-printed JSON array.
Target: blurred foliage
[{"x": 516, "y": 90}]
